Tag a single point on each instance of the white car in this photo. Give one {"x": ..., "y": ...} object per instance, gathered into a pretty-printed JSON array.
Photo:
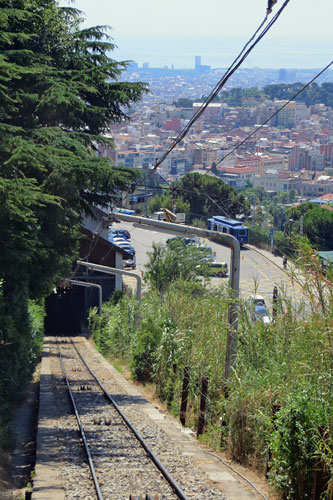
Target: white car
[
  {"x": 117, "y": 239},
  {"x": 256, "y": 300},
  {"x": 126, "y": 246},
  {"x": 258, "y": 310},
  {"x": 260, "y": 313}
]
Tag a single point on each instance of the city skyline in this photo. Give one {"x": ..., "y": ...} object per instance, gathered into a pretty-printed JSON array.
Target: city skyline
[{"x": 174, "y": 33}]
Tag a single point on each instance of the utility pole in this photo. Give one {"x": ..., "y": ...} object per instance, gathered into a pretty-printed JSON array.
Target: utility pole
[
  {"x": 271, "y": 233},
  {"x": 174, "y": 196},
  {"x": 146, "y": 202}
]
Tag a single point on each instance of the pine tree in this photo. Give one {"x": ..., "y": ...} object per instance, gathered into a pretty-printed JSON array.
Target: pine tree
[{"x": 59, "y": 90}]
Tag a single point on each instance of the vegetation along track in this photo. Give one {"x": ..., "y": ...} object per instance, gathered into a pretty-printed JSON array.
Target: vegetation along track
[{"x": 120, "y": 458}]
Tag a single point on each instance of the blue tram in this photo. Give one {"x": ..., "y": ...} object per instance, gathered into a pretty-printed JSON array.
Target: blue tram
[{"x": 230, "y": 226}]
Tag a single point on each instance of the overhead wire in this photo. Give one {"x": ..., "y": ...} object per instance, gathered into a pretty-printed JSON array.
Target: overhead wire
[
  {"x": 230, "y": 71},
  {"x": 192, "y": 192},
  {"x": 246, "y": 50},
  {"x": 273, "y": 115},
  {"x": 244, "y": 140},
  {"x": 232, "y": 68}
]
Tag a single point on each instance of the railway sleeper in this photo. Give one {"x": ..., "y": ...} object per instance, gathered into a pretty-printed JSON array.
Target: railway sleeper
[{"x": 140, "y": 497}]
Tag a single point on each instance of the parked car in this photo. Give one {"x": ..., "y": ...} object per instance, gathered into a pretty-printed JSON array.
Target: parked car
[
  {"x": 258, "y": 309},
  {"x": 129, "y": 263},
  {"x": 158, "y": 216},
  {"x": 117, "y": 239},
  {"x": 256, "y": 300},
  {"x": 126, "y": 246},
  {"x": 219, "y": 269},
  {"x": 215, "y": 268},
  {"x": 206, "y": 249},
  {"x": 260, "y": 313},
  {"x": 121, "y": 232}
]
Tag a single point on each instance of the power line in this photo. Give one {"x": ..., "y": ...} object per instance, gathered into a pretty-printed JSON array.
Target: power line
[
  {"x": 232, "y": 68},
  {"x": 273, "y": 114},
  {"x": 182, "y": 190}
]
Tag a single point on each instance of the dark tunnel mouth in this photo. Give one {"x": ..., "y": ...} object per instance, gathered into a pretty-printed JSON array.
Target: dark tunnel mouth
[
  {"x": 67, "y": 307},
  {"x": 65, "y": 312}
]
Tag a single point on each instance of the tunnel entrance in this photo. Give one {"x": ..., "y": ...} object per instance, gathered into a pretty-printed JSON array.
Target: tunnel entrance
[
  {"x": 67, "y": 308},
  {"x": 65, "y": 312}
]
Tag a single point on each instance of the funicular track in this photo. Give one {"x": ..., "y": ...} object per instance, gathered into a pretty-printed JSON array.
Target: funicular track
[{"x": 113, "y": 447}]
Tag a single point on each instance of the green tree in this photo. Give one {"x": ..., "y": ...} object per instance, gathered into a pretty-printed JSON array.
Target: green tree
[
  {"x": 183, "y": 102},
  {"x": 176, "y": 261},
  {"x": 165, "y": 201},
  {"x": 283, "y": 197},
  {"x": 259, "y": 215},
  {"x": 209, "y": 196},
  {"x": 317, "y": 224},
  {"x": 314, "y": 94},
  {"x": 59, "y": 91}
]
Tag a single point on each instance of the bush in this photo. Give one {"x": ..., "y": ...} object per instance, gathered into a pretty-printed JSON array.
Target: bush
[
  {"x": 20, "y": 351},
  {"x": 286, "y": 365},
  {"x": 294, "y": 446}
]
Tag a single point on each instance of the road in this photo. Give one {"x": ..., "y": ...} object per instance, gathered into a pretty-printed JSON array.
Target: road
[{"x": 259, "y": 271}]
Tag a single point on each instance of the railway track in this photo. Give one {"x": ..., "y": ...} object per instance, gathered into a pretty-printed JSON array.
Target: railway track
[{"x": 121, "y": 463}]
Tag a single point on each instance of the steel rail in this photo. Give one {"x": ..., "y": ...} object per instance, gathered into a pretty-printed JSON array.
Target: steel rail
[
  {"x": 86, "y": 446},
  {"x": 178, "y": 491}
]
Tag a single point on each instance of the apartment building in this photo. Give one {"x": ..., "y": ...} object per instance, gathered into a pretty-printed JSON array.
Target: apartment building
[
  {"x": 271, "y": 180},
  {"x": 272, "y": 162},
  {"x": 213, "y": 112},
  {"x": 327, "y": 151},
  {"x": 305, "y": 157},
  {"x": 237, "y": 176},
  {"x": 318, "y": 187}
]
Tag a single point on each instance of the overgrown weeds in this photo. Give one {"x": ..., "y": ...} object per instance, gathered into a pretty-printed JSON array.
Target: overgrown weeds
[{"x": 277, "y": 412}]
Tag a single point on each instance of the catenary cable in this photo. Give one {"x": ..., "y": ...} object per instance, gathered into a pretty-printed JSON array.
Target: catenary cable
[
  {"x": 232, "y": 68},
  {"x": 273, "y": 114}
]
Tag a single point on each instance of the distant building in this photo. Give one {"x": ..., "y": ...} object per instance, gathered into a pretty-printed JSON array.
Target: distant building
[
  {"x": 317, "y": 187},
  {"x": 304, "y": 157},
  {"x": 287, "y": 116},
  {"x": 327, "y": 151},
  {"x": 276, "y": 162},
  {"x": 282, "y": 75},
  {"x": 272, "y": 180},
  {"x": 172, "y": 124},
  {"x": 237, "y": 176},
  {"x": 214, "y": 110},
  {"x": 198, "y": 66}
]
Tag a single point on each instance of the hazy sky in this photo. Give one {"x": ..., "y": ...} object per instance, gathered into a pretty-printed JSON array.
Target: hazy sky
[{"x": 165, "y": 32}]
